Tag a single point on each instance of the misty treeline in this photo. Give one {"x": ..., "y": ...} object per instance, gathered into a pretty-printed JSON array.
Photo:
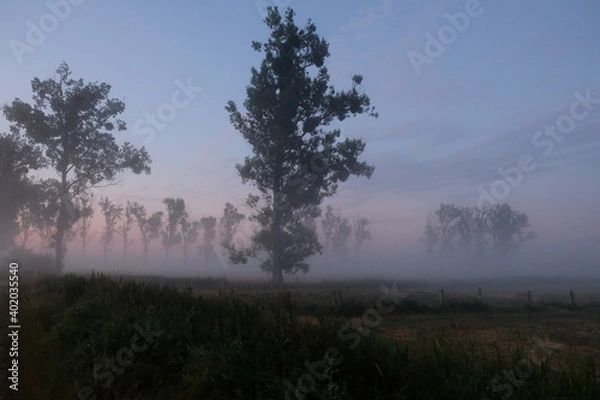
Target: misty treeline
[
  {"x": 173, "y": 227},
  {"x": 298, "y": 161},
  {"x": 491, "y": 231}
]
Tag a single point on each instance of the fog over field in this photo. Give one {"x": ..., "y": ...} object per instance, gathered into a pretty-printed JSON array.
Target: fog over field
[{"x": 481, "y": 105}]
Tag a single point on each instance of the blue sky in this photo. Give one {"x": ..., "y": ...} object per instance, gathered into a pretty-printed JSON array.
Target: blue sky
[{"x": 442, "y": 134}]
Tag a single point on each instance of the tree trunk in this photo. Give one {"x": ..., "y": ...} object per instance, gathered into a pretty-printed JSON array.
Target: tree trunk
[
  {"x": 61, "y": 227},
  {"x": 276, "y": 271},
  {"x": 277, "y": 277}
]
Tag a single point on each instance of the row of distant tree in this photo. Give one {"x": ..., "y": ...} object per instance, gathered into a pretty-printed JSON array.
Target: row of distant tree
[
  {"x": 493, "y": 230},
  {"x": 174, "y": 227}
]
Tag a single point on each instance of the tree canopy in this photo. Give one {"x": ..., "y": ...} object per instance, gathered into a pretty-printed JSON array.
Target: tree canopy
[
  {"x": 296, "y": 162},
  {"x": 72, "y": 122}
]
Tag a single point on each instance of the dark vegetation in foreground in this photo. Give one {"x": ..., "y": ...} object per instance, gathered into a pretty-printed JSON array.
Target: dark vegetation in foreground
[{"x": 148, "y": 342}]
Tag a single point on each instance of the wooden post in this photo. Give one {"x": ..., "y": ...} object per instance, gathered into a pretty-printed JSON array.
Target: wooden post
[
  {"x": 479, "y": 293},
  {"x": 441, "y": 294},
  {"x": 529, "y": 297},
  {"x": 572, "y": 296}
]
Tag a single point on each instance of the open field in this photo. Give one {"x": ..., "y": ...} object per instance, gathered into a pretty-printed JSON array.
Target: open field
[{"x": 128, "y": 338}]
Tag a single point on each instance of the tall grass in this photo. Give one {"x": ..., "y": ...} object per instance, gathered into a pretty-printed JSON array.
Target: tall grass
[{"x": 228, "y": 348}]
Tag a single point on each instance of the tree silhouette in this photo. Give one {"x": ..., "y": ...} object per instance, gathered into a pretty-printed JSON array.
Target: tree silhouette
[
  {"x": 507, "y": 227},
  {"x": 189, "y": 234},
  {"x": 85, "y": 220},
  {"x": 72, "y": 122},
  {"x": 112, "y": 214},
  {"x": 170, "y": 235},
  {"x": 475, "y": 229},
  {"x": 228, "y": 225},
  {"x": 296, "y": 163},
  {"x": 328, "y": 223},
  {"x": 150, "y": 227},
  {"x": 208, "y": 225},
  {"x": 361, "y": 232},
  {"x": 447, "y": 215},
  {"x": 26, "y": 217},
  {"x": 127, "y": 221},
  {"x": 47, "y": 211},
  {"x": 341, "y": 234},
  {"x": 17, "y": 190}
]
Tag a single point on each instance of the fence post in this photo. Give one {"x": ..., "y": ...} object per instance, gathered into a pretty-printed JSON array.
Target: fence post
[
  {"x": 529, "y": 297},
  {"x": 479, "y": 293},
  {"x": 441, "y": 295}
]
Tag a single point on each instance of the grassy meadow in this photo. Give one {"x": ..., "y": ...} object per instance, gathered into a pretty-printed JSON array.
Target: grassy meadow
[{"x": 103, "y": 337}]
